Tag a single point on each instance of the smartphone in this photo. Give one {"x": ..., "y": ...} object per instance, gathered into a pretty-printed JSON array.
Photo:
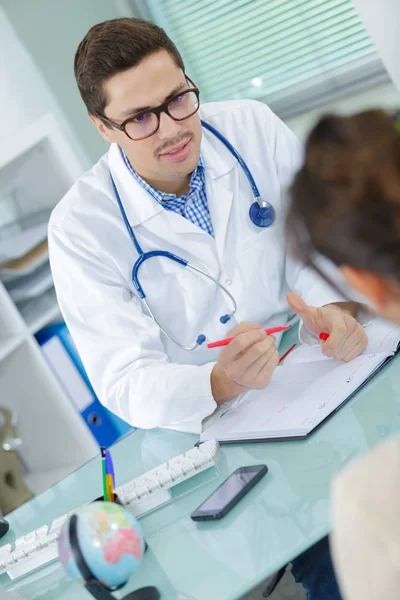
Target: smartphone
[{"x": 228, "y": 494}]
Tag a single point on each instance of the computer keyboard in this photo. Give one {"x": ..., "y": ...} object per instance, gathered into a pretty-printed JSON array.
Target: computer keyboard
[
  {"x": 140, "y": 495},
  {"x": 32, "y": 550},
  {"x": 169, "y": 474}
]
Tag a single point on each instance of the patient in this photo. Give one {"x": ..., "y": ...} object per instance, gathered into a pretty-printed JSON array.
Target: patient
[{"x": 346, "y": 206}]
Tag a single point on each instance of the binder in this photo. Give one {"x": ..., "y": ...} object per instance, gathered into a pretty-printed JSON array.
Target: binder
[{"x": 62, "y": 356}]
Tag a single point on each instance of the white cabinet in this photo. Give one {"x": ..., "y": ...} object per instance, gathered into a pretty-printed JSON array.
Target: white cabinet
[{"x": 36, "y": 169}]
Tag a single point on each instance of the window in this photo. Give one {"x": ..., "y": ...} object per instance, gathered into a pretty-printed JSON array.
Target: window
[{"x": 291, "y": 54}]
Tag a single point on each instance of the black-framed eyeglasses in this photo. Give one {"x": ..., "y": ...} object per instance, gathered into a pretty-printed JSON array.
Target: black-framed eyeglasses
[{"x": 146, "y": 123}]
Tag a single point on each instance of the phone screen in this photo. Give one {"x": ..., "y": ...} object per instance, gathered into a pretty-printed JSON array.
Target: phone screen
[{"x": 230, "y": 492}]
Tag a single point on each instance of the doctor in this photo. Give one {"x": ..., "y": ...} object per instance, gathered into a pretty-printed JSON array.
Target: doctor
[
  {"x": 170, "y": 185},
  {"x": 180, "y": 190}
]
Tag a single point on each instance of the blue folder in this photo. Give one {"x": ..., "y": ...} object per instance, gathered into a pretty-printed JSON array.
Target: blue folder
[{"x": 63, "y": 358}]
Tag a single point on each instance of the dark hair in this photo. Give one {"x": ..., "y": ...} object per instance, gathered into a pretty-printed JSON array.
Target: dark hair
[
  {"x": 345, "y": 200},
  {"x": 114, "y": 46}
]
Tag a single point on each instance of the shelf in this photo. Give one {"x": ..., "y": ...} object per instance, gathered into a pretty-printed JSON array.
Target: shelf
[
  {"x": 40, "y": 311},
  {"x": 9, "y": 344},
  {"x": 31, "y": 286},
  {"x": 52, "y": 430}
]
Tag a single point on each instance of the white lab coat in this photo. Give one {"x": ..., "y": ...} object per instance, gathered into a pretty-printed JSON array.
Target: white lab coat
[{"x": 136, "y": 372}]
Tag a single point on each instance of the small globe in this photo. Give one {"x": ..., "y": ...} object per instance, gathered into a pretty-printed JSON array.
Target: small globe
[{"x": 110, "y": 539}]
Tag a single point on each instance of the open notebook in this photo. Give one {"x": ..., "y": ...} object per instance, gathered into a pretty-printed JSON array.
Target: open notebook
[{"x": 303, "y": 392}]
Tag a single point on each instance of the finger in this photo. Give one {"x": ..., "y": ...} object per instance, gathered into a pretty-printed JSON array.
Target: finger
[
  {"x": 237, "y": 368},
  {"x": 242, "y": 328},
  {"x": 354, "y": 334},
  {"x": 338, "y": 334},
  {"x": 260, "y": 371},
  {"x": 297, "y": 304},
  {"x": 254, "y": 351},
  {"x": 307, "y": 313},
  {"x": 359, "y": 344},
  {"x": 357, "y": 350},
  {"x": 240, "y": 345},
  {"x": 244, "y": 361},
  {"x": 267, "y": 370}
]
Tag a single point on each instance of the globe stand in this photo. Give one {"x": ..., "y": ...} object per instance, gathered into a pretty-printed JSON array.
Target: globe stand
[
  {"x": 4, "y": 527},
  {"x": 101, "y": 592},
  {"x": 92, "y": 584}
]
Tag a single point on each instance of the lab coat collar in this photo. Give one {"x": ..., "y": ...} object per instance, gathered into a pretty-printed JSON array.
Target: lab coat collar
[
  {"x": 219, "y": 163},
  {"x": 218, "y": 160},
  {"x": 140, "y": 206}
]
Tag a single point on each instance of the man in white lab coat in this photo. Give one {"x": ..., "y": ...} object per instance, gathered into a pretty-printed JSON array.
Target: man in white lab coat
[{"x": 184, "y": 192}]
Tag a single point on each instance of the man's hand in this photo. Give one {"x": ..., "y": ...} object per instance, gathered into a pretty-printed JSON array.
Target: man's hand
[
  {"x": 247, "y": 362},
  {"x": 347, "y": 338}
]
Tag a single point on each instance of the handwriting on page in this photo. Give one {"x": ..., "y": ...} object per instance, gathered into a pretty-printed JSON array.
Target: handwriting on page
[
  {"x": 292, "y": 403},
  {"x": 304, "y": 391}
]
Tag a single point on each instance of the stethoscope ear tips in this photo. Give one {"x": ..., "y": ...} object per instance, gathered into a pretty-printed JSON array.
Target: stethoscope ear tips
[
  {"x": 262, "y": 216},
  {"x": 200, "y": 340},
  {"x": 224, "y": 319}
]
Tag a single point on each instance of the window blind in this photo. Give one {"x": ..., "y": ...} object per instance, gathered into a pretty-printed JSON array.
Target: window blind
[{"x": 291, "y": 54}]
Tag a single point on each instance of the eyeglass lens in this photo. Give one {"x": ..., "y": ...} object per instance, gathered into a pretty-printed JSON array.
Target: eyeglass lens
[{"x": 181, "y": 107}]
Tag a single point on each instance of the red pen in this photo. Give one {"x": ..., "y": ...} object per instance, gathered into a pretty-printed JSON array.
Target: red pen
[
  {"x": 267, "y": 331},
  {"x": 323, "y": 336}
]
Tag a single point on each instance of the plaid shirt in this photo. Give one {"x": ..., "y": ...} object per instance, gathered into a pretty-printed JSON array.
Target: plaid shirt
[{"x": 193, "y": 205}]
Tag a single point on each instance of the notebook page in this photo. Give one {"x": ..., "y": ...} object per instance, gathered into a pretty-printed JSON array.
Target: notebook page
[
  {"x": 297, "y": 399},
  {"x": 382, "y": 336}
]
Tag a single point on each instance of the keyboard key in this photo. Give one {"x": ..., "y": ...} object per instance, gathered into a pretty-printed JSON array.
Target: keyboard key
[
  {"x": 175, "y": 472},
  {"x": 141, "y": 492},
  {"x": 129, "y": 498},
  {"x": 52, "y": 538},
  {"x": 42, "y": 542},
  {"x": 30, "y": 548},
  {"x": 154, "y": 485},
  {"x": 37, "y": 544},
  {"x": 164, "y": 477},
  {"x": 42, "y": 531},
  {"x": 30, "y": 537},
  {"x": 17, "y": 554},
  {"x": 57, "y": 524},
  {"x": 198, "y": 461},
  {"x": 8, "y": 560},
  {"x": 5, "y": 551},
  {"x": 188, "y": 468}
]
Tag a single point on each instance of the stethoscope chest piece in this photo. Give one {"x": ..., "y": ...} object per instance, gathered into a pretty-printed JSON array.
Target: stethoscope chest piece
[{"x": 262, "y": 216}]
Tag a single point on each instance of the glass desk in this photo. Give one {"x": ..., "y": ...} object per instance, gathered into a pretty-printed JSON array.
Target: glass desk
[{"x": 287, "y": 512}]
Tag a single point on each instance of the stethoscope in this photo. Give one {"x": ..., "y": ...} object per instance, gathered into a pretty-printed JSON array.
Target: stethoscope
[{"x": 261, "y": 213}]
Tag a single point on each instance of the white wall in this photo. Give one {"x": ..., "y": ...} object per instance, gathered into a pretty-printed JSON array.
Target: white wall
[
  {"x": 382, "y": 21},
  {"x": 51, "y": 30},
  {"x": 24, "y": 94}
]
